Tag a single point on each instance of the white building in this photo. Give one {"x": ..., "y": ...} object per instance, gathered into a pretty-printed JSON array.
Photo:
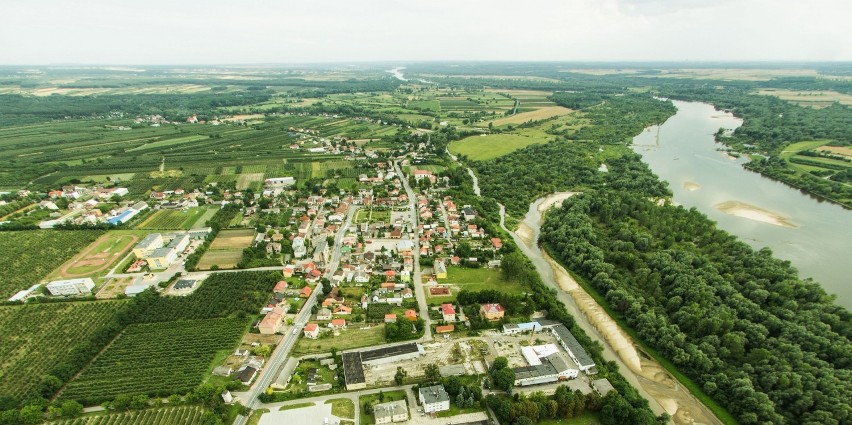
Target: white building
[
  {"x": 280, "y": 181},
  {"x": 390, "y": 412},
  {"x": 434, "y": 399},
  {"x": 26, "y": 293},
  {"x": 82, "y": 286}
]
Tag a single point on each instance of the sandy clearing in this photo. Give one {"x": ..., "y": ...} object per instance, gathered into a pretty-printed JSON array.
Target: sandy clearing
[
  {"x": 839, "y": 150},
  {"x": 751, "y": 212}
]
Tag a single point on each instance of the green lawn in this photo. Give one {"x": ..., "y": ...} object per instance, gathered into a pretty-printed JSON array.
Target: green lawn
[
  {"x": 297, "y": 405},
  {"x": 480, "y": 148},
  {"x": 454, "y": 410},
  {"x": 794, "y": 148},
  {"x": 342, "y": 407},
  {"x": 348, "y": 339},
  {"x": 480, "y": 279},
  {"x": 370, "y": 398},
  {"x": 178, "y": 219}
]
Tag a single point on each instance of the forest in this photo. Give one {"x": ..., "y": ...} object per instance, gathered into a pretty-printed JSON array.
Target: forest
[
  {"x": 769, "y": 346},
  {"x": 522, "y": 176}
]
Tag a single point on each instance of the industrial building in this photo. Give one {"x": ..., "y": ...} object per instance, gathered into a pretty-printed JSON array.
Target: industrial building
[
  {"x": 516, "y": 328},
  {"x": 355, "y": 361},
  {"x": 71, "y": 287},
  {"x": 574, "y": 349},
  {"x": 551, "y": 369}
]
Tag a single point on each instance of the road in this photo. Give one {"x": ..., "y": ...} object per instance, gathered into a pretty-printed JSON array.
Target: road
[
  {"x": 276, "y": 361},
  {"x": 419, "y": 292}
]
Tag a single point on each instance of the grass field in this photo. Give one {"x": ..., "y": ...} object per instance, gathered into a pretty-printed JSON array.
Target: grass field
[
  {"x": 233, "y": 239},
  {"x": 481, "y": 148},
  {"x": 536, "y": 115},
  {"x": 349, "y": 338},
  {"x": 99, "y": 256},
  {"x": 480, "y": 279},
  {"x": 245, "y": 180},
  {"x": 178, "y": 219},
  {"x": 37, "y": 337},
  {"x": 227, "y": 249},
  {"x": 342, "y": 407}
]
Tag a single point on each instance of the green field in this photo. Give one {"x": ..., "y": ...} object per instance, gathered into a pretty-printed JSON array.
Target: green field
[
  {"x": 349, "y": 338},
  {"x": 184, "y": 415},
  {"x": 364, "y": 400},
  {"x": 794, "y": 148},
  {"x": 480, "y": 279},
  {"x": 37, "y": 337},
  {"x": 481, "y": 148},
  {"x": 29, "y": 256},
  {"x": 178, "y": 219},
  {"x": 156, "y": 359}
]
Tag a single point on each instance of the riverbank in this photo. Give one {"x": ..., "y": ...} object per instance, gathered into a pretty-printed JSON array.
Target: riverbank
[
  {"x": 652, "y": 378},
  {"x": 751, "y": 212}
]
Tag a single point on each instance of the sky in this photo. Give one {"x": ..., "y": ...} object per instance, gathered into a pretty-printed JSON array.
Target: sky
[{"x": 39, "y": 32}]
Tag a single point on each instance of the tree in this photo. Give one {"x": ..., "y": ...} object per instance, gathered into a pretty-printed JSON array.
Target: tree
[
  {"x": 504, "y": 379},
  {"x": 400, "y": 376},
  {"x": 432, "y": 373},
  {"x": 499, "y": 363},
  {"x": 71, "y": 409},
  {"x": 31, "y": 414}
]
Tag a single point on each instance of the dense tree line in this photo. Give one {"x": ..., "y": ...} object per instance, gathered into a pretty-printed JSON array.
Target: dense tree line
[
  {"x": 520, "y": 177},
  {"x": 771, "y": 347}
]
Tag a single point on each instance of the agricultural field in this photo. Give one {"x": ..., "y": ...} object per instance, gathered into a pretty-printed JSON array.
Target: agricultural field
[
  {"x": 156, "y": 359},
  {"x": 178, "y": 219},
  {"x": 36, "y": 337},
  {"x": 534, "y": 115},
  {"x": 227, "y": 249},
  {"x": 29, "y": 256},
  {"x": 184, "y": 415},
  {"x": 220, "y": 295},
  {"x": 249, "y": 180},
  {"x": 813, "y": 99},
  {"x": 98, "y": 257},
  {"x": 805, "y": 163}
]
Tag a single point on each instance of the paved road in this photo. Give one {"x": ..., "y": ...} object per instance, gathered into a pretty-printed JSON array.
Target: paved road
[
  {"x": 275, "y": 363},
  {"x": 419, "y": 292}
]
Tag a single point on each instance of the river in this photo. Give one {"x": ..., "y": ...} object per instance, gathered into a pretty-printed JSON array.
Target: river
[{"x": 815, "y": 236}]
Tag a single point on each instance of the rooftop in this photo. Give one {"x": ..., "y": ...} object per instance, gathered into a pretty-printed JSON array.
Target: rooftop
[
  {"x": 573, "y": 345},
  {"x": 434, "y": 394},
  {"x": 389, "y": 409}
]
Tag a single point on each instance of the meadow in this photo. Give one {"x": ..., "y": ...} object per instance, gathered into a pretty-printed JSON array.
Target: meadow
[
  {"x": 349, "y": 338},
  {"x": 226, "y": 250}
]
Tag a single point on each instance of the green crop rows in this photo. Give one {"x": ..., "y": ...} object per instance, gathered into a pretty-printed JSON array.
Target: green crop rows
[
  {"x": 156, "y": 359},
  {"x": 29, "y": 256},
  {"x": 184, "y": 415},
  {"x": 36, "y": 337},
  {"x": 220, "y": 295}
]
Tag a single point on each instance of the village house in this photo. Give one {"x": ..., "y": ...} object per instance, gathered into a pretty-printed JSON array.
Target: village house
[
  {"x": 448, "y": 312},
  {"x": 491, "y": 311},
  {"x": 311, "y": 330}
]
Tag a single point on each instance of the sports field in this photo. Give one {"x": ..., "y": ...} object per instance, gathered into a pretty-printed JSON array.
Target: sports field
[{"x": 99, "y": 256}]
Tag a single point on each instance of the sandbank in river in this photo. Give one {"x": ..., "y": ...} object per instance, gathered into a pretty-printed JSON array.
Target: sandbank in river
[{"x": 751, "y": 212}]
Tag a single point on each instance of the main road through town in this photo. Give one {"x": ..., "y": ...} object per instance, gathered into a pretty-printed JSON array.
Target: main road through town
[
  {"x": 419, "y": 292},
  {"x": 276, "y": 360}
]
